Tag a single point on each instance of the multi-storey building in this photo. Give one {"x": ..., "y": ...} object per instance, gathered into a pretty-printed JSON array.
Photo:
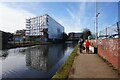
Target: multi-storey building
[{"x": 43, "y": 28}]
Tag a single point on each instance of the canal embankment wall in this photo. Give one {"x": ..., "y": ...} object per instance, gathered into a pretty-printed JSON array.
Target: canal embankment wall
[
  {"x": 26, "y": 44},
  {"x": 21, "y": 44}
]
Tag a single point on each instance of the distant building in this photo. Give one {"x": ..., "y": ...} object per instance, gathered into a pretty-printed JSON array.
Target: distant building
[
  {"x": 74, "y": 36},
  {"x": 42, "y": 28},
  {"x": 19, "y": 36},
  {"x": 5, "y": 39}
]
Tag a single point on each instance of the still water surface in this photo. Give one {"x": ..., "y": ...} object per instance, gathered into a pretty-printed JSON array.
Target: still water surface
[{"x": 41, "y": 61}]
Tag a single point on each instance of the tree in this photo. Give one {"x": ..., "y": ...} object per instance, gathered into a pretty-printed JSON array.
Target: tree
[
  {"x": 65, "y": 36},
  {"x": 86, "y": 32}
]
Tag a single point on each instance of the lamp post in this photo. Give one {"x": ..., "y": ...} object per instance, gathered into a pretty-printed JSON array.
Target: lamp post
[{"x": 97, "y": 14}]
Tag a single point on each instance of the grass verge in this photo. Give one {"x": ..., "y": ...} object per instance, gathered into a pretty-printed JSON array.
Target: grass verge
[{"x": 64, "y": 70}]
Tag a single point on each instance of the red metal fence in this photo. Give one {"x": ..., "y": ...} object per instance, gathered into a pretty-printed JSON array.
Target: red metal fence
[{"x": 109, "y": 49}]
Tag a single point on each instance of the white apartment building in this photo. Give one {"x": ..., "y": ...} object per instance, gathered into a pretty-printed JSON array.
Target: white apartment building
[{"x": 43, "y": 27}]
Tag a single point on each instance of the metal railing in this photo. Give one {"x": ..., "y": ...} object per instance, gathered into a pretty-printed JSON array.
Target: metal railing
[{"x": 110, "y": 32}]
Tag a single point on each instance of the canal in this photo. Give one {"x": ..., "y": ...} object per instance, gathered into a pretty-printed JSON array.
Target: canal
[{"x": 40, "y": 61}]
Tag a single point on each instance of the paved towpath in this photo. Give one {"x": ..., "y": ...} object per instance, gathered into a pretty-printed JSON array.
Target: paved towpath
[{"x": 91, "y": 66}]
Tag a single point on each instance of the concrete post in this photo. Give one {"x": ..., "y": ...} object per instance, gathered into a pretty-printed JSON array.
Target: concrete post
[
  {"x": 106, "y": 32},
  {"x": 118, "y": 29}
]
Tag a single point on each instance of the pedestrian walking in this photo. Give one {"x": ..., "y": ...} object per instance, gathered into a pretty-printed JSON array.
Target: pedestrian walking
[
  {"x": 80, "y": 42},
  {"x": 87, "y": 44}
]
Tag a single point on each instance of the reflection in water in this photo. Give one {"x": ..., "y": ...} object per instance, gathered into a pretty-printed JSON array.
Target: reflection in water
[
  {"x": 35, "y": 57},
  {"x": 3, "y": 54},
  {"x": 44, "y": 56},
  {"x": 36, "y": 61}
]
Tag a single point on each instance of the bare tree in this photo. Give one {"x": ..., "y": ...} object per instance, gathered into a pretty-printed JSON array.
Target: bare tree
[{"x": 86, "y": 32}]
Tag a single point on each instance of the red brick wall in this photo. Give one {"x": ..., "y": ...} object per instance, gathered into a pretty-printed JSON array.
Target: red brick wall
[{"x": 109, "y": 49}]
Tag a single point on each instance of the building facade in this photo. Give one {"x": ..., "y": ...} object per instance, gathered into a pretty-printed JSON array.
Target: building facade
[
  {"x": 6, "y": 40},
  {"x": 42, "y": 28},
  {"x": 74, "y": 36},
  {"x": 19, "y": 36}
]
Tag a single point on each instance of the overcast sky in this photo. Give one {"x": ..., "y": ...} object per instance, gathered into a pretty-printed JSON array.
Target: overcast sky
[{"x": 74, "y": 16}]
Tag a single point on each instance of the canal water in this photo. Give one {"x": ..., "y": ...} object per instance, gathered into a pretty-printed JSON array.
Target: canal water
[{"x": 40, "y": 61}]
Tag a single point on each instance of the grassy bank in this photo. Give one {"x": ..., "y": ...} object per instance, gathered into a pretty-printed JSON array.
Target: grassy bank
[{"x": 64, "y": 70}]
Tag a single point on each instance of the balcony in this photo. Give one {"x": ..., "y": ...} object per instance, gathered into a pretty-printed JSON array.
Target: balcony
[
  {"x": 27, "y": 24},
  {"x": 28, "y": 30}
]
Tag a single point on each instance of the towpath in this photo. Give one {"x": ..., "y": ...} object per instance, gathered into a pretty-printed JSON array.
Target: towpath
[{"x": 91, "y": 66}]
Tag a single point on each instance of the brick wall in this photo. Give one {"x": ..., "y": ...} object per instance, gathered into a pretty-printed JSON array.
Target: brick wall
[{"x": 109, "y": 49}]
